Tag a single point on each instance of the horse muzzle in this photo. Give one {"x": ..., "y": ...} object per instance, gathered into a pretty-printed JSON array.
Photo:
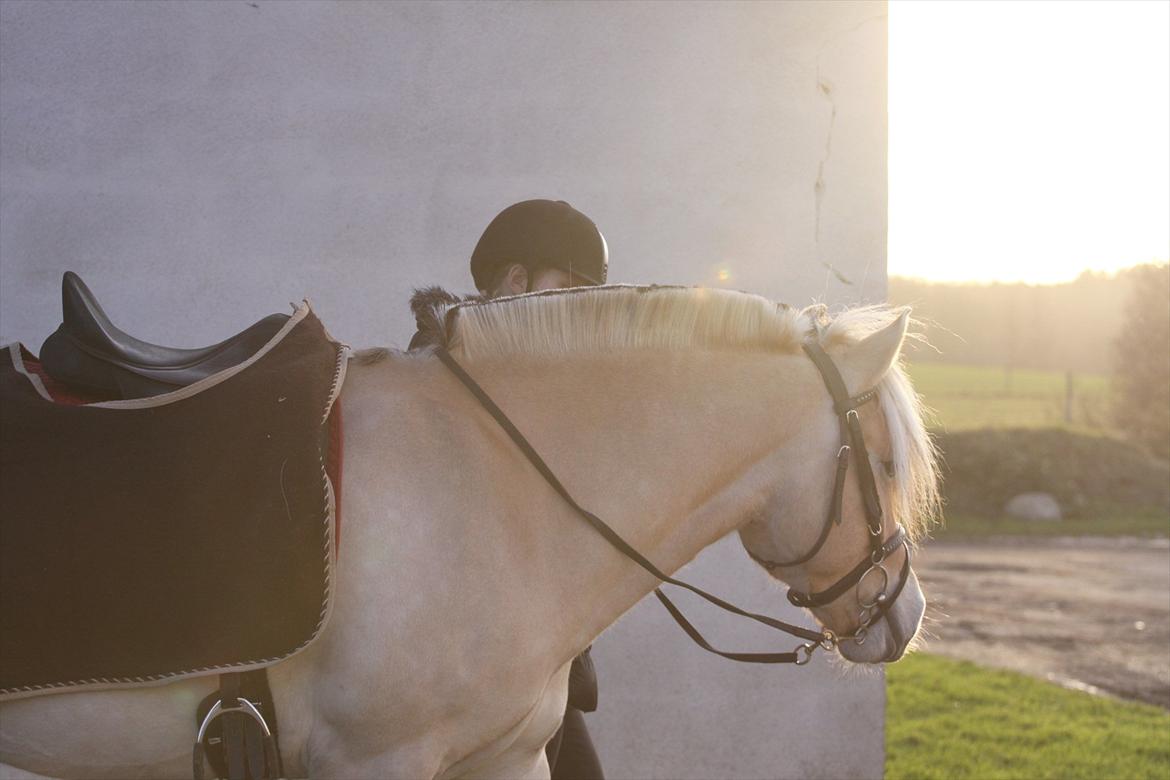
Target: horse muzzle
[{"x": 888, "y": 639}]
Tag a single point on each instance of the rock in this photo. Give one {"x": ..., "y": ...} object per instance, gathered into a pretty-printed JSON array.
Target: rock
[{"x": 1033, "y": 506}]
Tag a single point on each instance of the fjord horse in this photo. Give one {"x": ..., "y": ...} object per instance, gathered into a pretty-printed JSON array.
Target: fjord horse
[{"x": 465, "y": 584}]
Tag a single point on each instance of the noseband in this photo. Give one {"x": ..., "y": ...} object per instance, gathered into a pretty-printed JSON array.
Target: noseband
[
  {"x": 852, "y": 447},
  {"x": 852, "y": 441}
]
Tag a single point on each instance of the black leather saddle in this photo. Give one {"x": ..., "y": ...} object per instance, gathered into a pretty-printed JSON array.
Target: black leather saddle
[{"x": 90, "y": 352}]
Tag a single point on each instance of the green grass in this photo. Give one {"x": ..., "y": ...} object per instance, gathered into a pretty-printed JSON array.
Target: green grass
[
  {"x": 966, "y": 397},
  {"x": 1135, "y": 521},
  {"x": 952, "y": 719}
]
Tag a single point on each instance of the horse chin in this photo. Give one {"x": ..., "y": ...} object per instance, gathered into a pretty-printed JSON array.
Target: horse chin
[
  {"x": 889, "y": 638},
  {"x": 877, "y": 648}
]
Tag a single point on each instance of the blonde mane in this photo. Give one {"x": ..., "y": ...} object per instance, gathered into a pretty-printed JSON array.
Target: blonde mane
[{"x": 623, "y": 317}]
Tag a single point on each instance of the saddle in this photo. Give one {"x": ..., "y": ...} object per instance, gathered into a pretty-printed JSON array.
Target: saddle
[
  {"x": 167, "y": 513},
  {"x": 89, "y": 352}
]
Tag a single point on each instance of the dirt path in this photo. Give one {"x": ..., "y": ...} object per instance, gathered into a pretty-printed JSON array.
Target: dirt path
[{"x": 1092, "y": 614}]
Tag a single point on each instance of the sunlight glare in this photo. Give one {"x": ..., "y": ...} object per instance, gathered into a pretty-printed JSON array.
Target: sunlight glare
[{"x": 1029, "y": 141}]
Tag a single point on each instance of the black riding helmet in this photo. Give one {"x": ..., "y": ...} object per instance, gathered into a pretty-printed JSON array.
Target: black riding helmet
[{"x": 539, "y": 233}]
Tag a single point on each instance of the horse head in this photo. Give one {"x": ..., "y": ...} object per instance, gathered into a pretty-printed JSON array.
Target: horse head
[{"x": 840, "y": 527}]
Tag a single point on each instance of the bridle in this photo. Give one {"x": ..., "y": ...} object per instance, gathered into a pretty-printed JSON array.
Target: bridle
[
  {"x": 852, "y": 442},
  {"x": 852, "y": 448}
]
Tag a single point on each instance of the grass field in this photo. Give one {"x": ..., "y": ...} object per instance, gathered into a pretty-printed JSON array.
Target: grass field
[
  {"x": 1143, "y": 522},
  {"x": 966, "y": 397},
  {"x": 952, "y": 719}
]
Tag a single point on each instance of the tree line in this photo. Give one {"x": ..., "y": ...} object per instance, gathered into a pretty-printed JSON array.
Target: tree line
[
  {"x": 1117, "y": 325},
  {"x": 1058, "y": 327}
]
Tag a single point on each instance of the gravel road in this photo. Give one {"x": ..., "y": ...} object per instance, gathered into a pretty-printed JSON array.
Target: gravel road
[{"x": 1087, "y": 613}]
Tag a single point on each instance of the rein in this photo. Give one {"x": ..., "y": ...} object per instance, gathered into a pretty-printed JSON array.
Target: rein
[{"x": 825, "y": 638}]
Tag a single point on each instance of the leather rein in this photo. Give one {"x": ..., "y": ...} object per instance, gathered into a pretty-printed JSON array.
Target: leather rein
[{"x": 852, "y": 442}]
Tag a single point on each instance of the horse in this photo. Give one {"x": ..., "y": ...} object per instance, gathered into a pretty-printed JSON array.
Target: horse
[{"x": 466, "y": 584}]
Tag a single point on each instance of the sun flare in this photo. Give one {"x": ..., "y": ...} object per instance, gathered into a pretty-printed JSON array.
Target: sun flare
[{"x": 1028, "y": 140}]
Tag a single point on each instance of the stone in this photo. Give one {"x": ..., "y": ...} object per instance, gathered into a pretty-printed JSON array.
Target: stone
[{"x": 1034, "y": 506}]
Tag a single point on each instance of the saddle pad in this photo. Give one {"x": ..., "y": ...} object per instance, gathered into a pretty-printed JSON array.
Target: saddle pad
[{"x": 185, "y": 534}]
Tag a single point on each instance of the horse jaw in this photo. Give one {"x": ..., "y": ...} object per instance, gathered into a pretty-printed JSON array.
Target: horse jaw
[{"x": 890, "y": 637}]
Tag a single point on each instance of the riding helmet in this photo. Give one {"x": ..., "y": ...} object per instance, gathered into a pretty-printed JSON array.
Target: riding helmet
[{"x": 539, "y": 233}]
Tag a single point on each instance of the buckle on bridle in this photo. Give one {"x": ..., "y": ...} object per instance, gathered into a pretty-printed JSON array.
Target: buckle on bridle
[
  {"x": 828, "y": 640},
  {"x": 804, "y": 652}
]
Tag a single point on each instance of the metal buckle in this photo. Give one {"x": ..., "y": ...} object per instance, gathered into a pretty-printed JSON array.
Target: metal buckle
[
  {"x": 828, "y": 640},
  {"x": 807, "y": 649}
]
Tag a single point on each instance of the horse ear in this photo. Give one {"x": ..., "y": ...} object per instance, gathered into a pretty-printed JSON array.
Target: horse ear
[{"x": 865, "y": 363}]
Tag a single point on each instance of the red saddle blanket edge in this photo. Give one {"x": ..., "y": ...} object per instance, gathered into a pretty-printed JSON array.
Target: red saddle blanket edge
[{"x": 68, "y": 395}]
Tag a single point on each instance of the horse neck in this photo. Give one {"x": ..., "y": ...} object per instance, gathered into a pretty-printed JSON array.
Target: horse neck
[{"x": 672, "y": 450}]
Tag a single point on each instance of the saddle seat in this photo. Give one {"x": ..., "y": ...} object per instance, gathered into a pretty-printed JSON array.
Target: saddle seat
[{"x": 90, "y": 352}]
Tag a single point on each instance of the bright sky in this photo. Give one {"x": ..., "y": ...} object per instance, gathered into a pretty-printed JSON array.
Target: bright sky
[{"x": 1028, "y": 140}]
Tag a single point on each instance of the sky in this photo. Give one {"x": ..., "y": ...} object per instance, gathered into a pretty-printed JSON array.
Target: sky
[{"x": 1029, "y": 141}]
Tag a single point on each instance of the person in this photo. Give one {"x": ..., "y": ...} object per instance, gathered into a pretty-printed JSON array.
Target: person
[{"x": 531, "y": 246}]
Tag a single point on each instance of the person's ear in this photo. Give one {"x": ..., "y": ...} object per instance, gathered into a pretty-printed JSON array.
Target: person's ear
[{"x": 516, "y": 280}]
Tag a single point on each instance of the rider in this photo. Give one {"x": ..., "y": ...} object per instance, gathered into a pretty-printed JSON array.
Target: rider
[{"x": 530, "y": 246}]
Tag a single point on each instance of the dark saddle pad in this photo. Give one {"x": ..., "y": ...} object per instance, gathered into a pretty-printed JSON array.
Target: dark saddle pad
[{"x": 185, "y": 534}]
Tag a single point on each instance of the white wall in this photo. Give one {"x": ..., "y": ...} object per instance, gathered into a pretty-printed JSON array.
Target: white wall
[{"x": 201, "y": 164}]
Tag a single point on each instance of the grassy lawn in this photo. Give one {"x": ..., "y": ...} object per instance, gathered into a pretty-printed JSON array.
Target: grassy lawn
[
  {"x": 967, "y": 397},
  {"x": 952, "y": 719},
  {"x": 1143, "y": 522}
]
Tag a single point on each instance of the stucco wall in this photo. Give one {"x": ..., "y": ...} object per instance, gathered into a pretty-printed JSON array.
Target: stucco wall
[{"x": 201, "y": 164}]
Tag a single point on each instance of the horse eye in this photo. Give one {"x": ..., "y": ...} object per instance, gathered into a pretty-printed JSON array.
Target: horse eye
[{"x": 888, "y": 465}]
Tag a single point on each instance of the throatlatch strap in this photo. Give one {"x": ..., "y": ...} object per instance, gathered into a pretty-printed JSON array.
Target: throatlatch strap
[{"x": 616, "y": 540}]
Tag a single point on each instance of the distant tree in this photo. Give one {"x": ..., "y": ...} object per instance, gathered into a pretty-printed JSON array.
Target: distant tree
[
  {"x": 1142, "y": 360},
  {"x": 1049, "y": 327}
]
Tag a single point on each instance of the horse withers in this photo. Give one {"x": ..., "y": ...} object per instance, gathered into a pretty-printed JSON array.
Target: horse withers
[{"x": 465, "y": 583}]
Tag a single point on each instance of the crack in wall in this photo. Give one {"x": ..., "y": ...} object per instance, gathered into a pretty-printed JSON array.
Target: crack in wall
[{"x": 825, "y": 88}]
